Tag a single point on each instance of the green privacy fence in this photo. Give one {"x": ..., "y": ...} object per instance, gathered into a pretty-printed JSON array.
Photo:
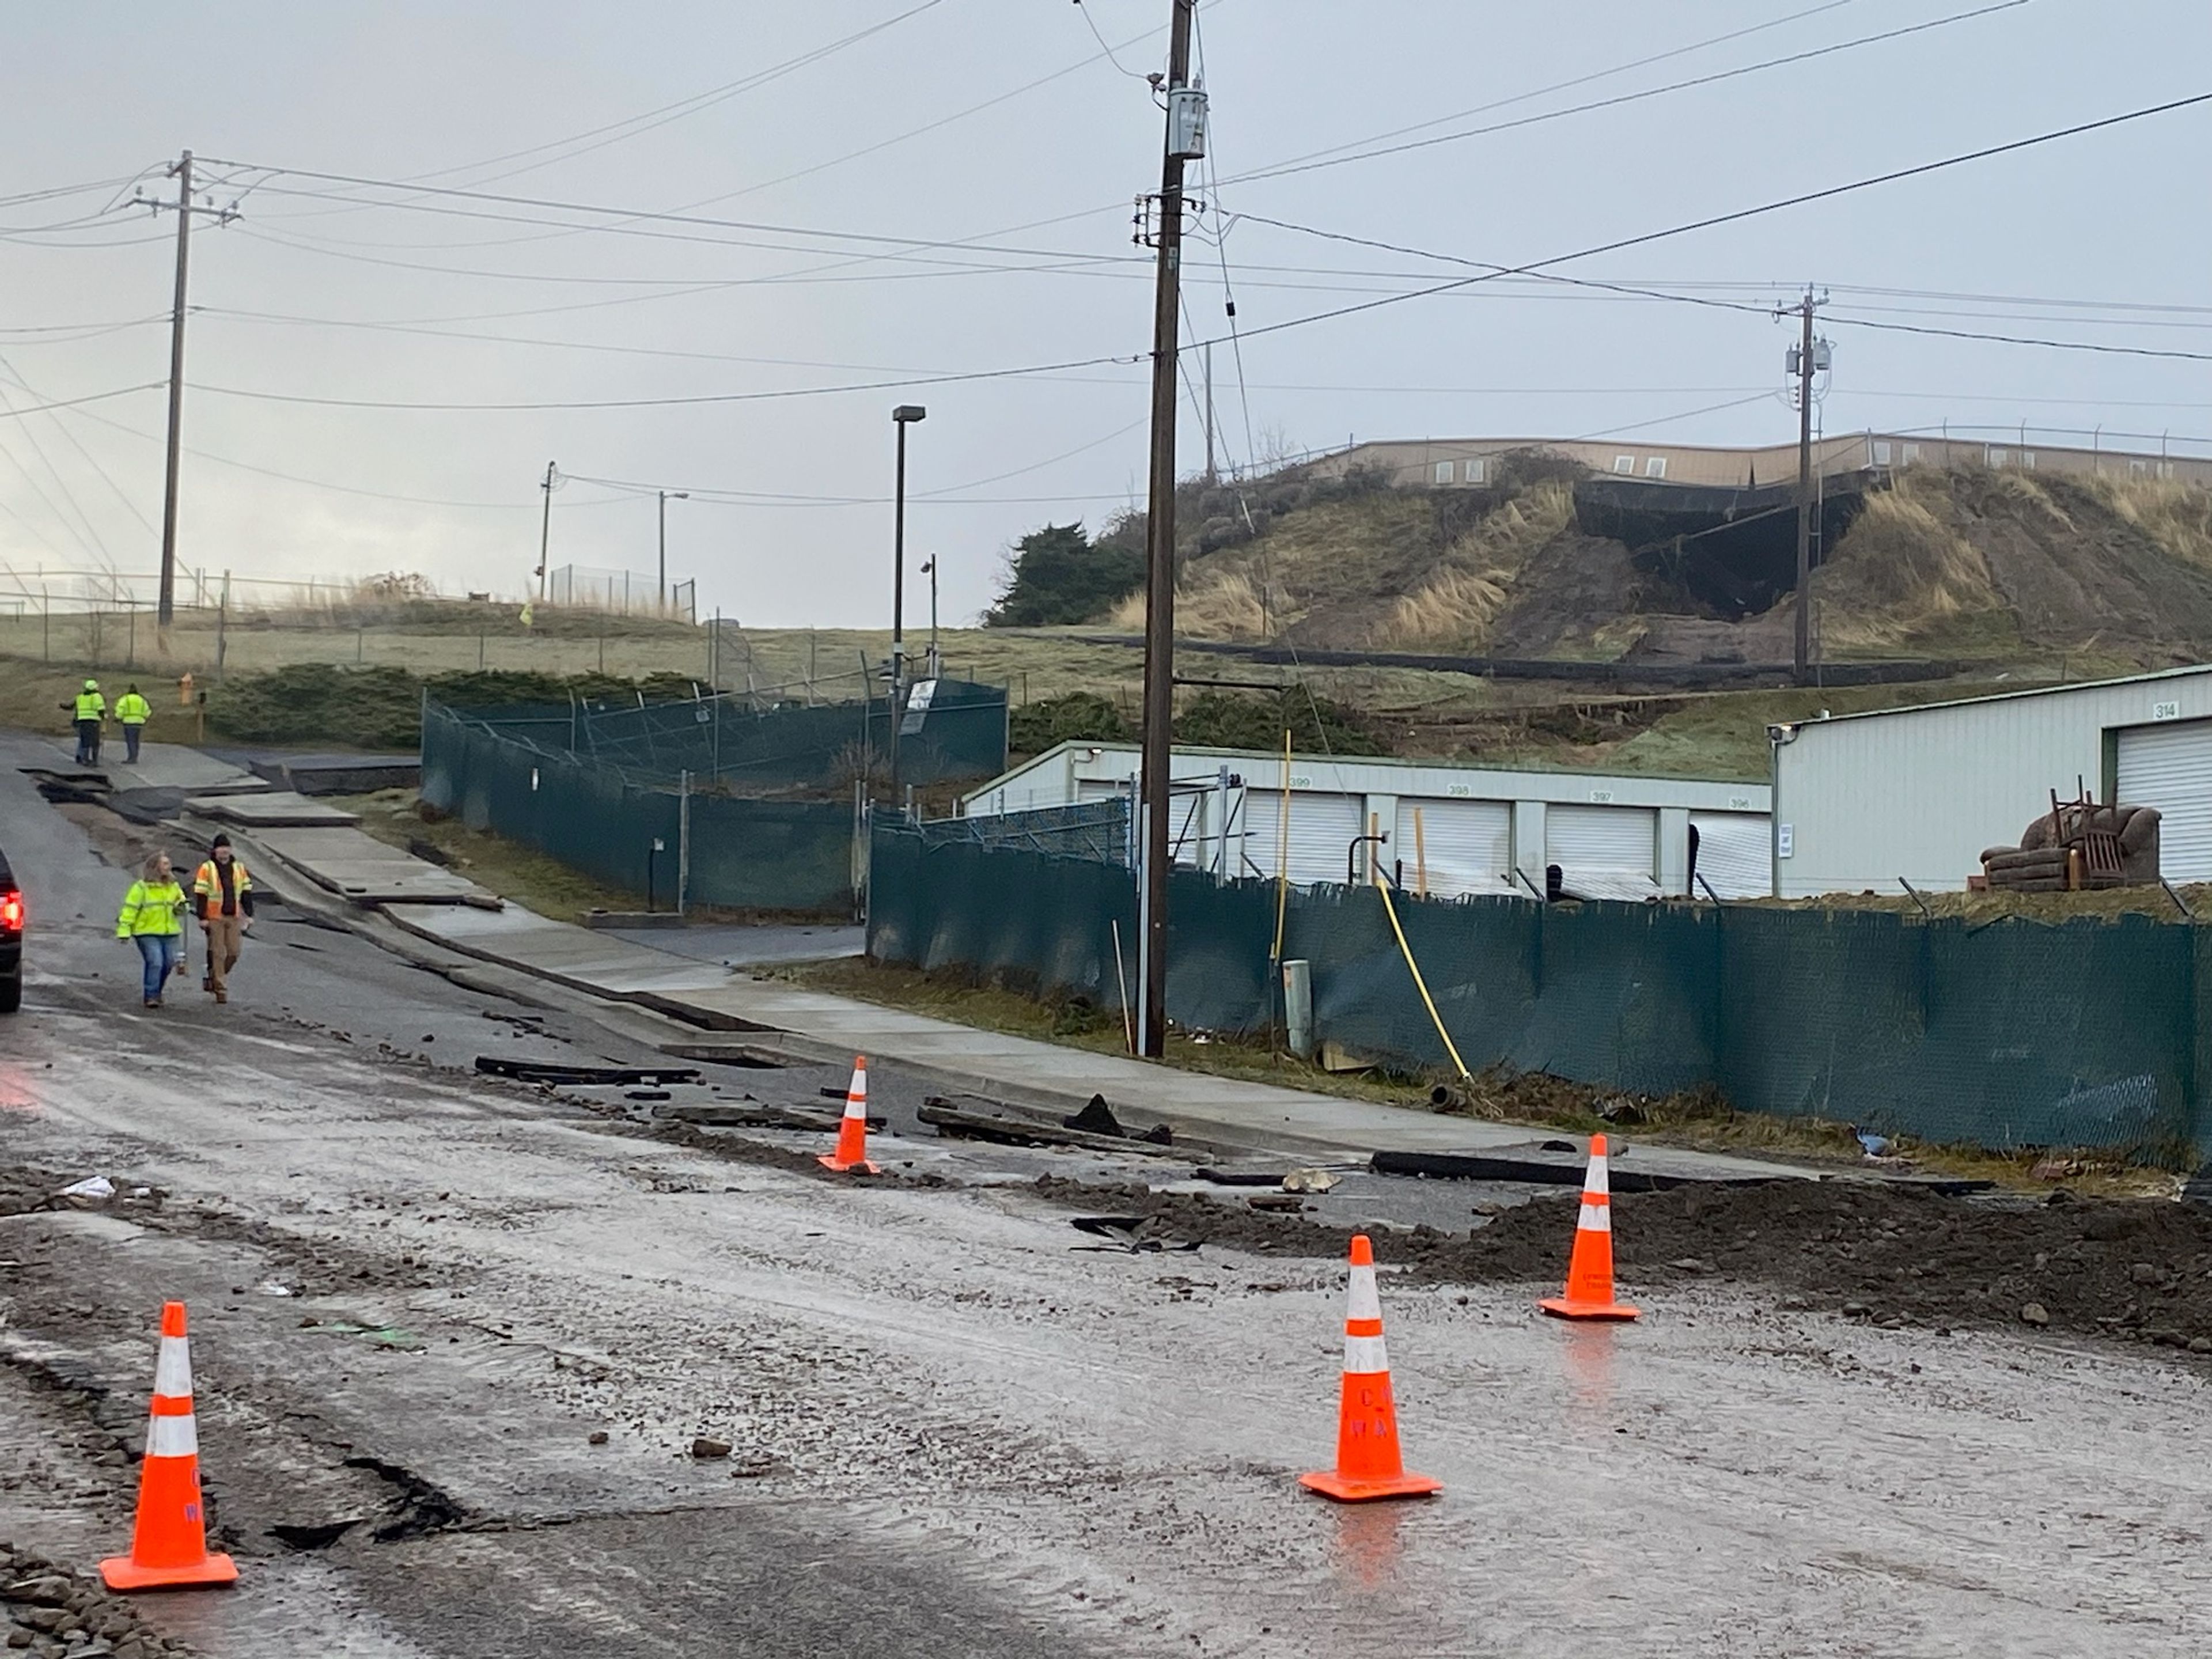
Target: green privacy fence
[
  {"x": 717, "y": 849},
  {"x": 955, "y": 730},
  {"x": 2012, "y": 1033}
]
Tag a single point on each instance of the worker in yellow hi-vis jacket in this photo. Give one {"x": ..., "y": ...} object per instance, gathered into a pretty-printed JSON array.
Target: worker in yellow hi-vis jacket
[{"x": 153, "y": 918}]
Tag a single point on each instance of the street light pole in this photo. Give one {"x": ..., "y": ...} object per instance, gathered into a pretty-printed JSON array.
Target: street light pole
[
  {"x": 901, "y": 417},
  {"x": 665, "y": 496}
]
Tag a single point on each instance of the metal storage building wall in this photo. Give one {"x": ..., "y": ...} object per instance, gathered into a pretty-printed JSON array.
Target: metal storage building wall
[
  {"x": 1863, "y": 799},
  {"x": 1482, "y": 830}
]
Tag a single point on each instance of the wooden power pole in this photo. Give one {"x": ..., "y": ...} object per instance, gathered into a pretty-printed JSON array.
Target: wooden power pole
[
  {"x": 1810, "y": 356},
  {"x": 1186, "y": 141}
]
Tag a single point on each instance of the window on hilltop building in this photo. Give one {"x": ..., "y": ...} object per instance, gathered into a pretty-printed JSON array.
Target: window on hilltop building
[{"x": 1655, "y": 467}]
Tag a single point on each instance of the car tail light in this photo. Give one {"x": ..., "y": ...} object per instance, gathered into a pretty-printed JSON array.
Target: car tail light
[{"x": 11, "y": 911}]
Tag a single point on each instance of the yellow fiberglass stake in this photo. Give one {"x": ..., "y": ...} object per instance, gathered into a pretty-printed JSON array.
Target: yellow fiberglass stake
[{"x": 1420, "y": 984}]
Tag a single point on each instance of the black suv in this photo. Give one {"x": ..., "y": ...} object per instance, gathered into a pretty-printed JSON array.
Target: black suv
[{"x": 11, "y": 940}]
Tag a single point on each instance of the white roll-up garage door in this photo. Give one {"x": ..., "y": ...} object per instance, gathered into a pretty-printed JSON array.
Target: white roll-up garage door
[
  {"x": 1603, "y": 852},
  {"x": 2170, "y": 767},
  {"x": 1321, "y": 828},
  {"x": 1735, "y": 853},
  {"x": 1462, "y": 846}
]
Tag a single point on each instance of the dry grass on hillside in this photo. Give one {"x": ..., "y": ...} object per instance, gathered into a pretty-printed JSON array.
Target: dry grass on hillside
[
  {"x": 1322, "y": 558},
  {"x": 2175, "y": 515},
  {"x": 1453, "y": 610},
  {"x": 1220, "y": 603},
  {"x": 1903, "y": 570}
]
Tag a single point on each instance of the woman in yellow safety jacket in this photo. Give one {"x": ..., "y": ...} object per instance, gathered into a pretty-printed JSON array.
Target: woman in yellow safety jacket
[{"x": 153, "y": 918}]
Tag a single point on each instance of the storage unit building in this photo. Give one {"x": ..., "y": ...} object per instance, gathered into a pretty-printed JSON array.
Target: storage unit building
[
  {"x": 1446, "y": 831},
  {"x": 1862, "y": 801}
]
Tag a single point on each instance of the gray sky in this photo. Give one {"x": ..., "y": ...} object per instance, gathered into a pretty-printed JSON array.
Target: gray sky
[{"x": 96, "y": 93}]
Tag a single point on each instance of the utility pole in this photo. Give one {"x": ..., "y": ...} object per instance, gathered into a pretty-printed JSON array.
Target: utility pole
[
  {"x": 665, "y": 496},
  {"x": 1185, "y": 142},
  {"x": 545, "y": 528},
  {"x": 166, "y": 608},
  {"x": 1804, "y": 360},
  {"x": 1211, "y": 477}
]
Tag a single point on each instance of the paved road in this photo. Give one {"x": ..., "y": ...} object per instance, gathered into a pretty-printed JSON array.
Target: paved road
[{"x": 417, "y": 1295}]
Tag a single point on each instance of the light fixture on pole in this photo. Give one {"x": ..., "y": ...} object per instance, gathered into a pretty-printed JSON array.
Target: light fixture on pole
[
  {"x": 901, "y": 417},
  {"x": 667, "y": 496}
]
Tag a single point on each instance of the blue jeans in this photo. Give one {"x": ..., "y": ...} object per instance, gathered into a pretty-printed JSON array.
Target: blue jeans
[
  {"x": 131, "y": 736},
  {"x": 158, "y": 953}
]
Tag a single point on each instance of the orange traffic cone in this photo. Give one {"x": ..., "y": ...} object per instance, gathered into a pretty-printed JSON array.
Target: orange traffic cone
[
  {"x": 1367, "y": 1464},
  {"x": 168, "y": 1546},
  {"x": 1589, "y": 1270},
  {"x": 852, "y": 1151}
]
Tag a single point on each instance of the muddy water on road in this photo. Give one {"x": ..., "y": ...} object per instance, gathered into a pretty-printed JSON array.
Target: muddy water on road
[{"x": 941, "y": 1389}]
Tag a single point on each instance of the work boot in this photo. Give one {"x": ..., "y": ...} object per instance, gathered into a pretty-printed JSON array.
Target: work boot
[
  {"x": 223, "y": 996},
  {"x": 206, "y": 984}
]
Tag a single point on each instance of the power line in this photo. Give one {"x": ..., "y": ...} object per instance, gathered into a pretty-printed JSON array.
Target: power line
[
  {"x": 1739, "y": 215},
  {"x": 77, "y": 331},
  {"x": 670, "y": 402},
  {"x": 1105, "y": 51},
  {"x": 53, "y": 191},
  {"x": 633, "y": 126},
  {"x": 1842, "y": 318},
  {"x": 1285, "y": 169},
  {"x": 1568, "y": 85},
  {"x": 626, "y": 215},
  {"x": 73, "y": 403},
  {"x": 321, "y": 483},
  {"x": 90, "y": 460}
]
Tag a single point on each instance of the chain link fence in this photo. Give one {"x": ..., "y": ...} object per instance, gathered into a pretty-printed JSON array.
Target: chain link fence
[
  {"x": 2005, "y": 1034},
  {"x": 641, "y": 831},
  {"x": 737, "y": 743},
  {"x": 1094, "y": 830}
]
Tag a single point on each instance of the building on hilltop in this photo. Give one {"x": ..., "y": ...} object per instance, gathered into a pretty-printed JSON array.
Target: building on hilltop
[{"x": 1465, "y": 463}]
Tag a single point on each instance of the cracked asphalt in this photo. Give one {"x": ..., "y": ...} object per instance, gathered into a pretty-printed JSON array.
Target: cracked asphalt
[{"x": 418, "y": 1297}]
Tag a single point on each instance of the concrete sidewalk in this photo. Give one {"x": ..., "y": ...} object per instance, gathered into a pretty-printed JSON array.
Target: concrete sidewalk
[{"x": 1018, "y": 1070}]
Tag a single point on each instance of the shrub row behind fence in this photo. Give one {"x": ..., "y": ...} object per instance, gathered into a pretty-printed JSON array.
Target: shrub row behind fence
[{"x": 2012, "y": 1033}]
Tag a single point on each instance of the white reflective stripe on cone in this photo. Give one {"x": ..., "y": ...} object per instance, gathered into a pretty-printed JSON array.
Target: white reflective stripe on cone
[
  {"x": 1363, "y": 1302},
  {"x": 1594, "y": 1181},
  {"x": 1596, "y": 1218},
  {"x": 172, "y": 1437},
  {"x": 1364, "y": 1354},
  {"x": 855, "y": 1106},
  {"x": 173, "y": 1371}
]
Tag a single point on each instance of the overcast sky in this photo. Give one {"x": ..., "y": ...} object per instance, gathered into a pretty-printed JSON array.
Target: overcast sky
[{"x": 838, "y": 169}]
